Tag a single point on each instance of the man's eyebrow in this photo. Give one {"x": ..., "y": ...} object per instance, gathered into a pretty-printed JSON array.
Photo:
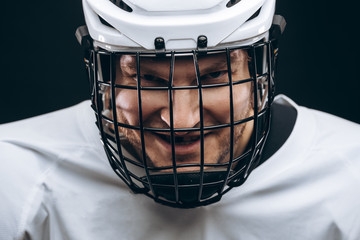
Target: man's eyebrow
[
  {"x": 151, "y": 69},
  {"x": 236, "y": 58},
  {"x": 214, "y": 66}
]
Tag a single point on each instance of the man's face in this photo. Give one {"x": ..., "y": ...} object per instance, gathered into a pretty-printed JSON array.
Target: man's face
[{"x": 216, "y": 108}]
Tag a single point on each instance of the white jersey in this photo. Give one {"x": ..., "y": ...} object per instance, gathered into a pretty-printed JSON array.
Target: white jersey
[{"x": 56, "y": 183}]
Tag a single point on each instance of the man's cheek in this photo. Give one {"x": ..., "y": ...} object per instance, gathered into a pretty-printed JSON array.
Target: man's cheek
[
  {"x": 126, "y": 100},
  {"x": 217, "y": 102},
  {"x": 242, "y": 99},
  {"x": 151, "y": 102},
  {"x": 127, "y": 106}
]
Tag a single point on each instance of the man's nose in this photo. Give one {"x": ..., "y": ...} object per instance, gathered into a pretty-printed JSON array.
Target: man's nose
[{"x": 185, "y": 109}]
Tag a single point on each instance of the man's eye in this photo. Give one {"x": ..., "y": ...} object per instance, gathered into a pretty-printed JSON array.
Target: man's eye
[
  {"x": 149, "y": 77},
  {"x": 216, "y": 74}
]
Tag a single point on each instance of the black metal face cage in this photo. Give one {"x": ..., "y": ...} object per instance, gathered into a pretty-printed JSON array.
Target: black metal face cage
[{"x": 168, "y": 185}]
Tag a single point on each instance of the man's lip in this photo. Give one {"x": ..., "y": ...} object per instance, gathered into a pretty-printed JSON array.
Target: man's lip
[
  {"x": 179, "y": 134},
  {"x": 190, "y": 145}
]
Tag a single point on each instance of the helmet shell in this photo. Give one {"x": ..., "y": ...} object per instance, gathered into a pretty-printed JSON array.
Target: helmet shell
[{"x": 179, "y": 23}]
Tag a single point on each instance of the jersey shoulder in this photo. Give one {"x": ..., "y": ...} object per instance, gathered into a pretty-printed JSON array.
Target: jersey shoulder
[{"x": 30, "y": 150}]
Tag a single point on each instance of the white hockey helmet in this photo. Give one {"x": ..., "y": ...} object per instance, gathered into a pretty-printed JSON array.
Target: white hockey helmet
[
  {"x": 136, "y": 24},
  {"x": 169, "y": 30}
]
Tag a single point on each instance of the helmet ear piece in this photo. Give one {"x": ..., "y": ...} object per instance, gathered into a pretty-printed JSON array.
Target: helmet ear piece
[
  {"x": 278, "y": 27},
  {"x": 83, "y": 37}
]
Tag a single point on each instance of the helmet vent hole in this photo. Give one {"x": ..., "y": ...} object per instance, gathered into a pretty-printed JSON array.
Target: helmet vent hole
[
  {"x": 121, "y": 4},
  {"x": 254, "y": 15},
  {"x": 103, "y": 21},
  {"x": 232, "y": 3}
]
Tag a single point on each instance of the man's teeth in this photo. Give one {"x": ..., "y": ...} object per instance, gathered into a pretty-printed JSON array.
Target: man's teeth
[
  {"x": 188, "y": 139},
  {"x": 180, "y": 140}
]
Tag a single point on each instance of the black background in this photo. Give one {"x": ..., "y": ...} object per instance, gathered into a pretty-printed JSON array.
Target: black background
[{"x": 42, "y": 68}]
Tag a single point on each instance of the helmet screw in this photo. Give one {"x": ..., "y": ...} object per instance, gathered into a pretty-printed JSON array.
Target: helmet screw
[
  {"x": 202, "y": 42},
  {"x": 159, "y": 43}
]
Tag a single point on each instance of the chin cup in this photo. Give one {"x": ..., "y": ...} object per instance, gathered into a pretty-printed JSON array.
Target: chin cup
[{"x": 188, "y": 189}]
